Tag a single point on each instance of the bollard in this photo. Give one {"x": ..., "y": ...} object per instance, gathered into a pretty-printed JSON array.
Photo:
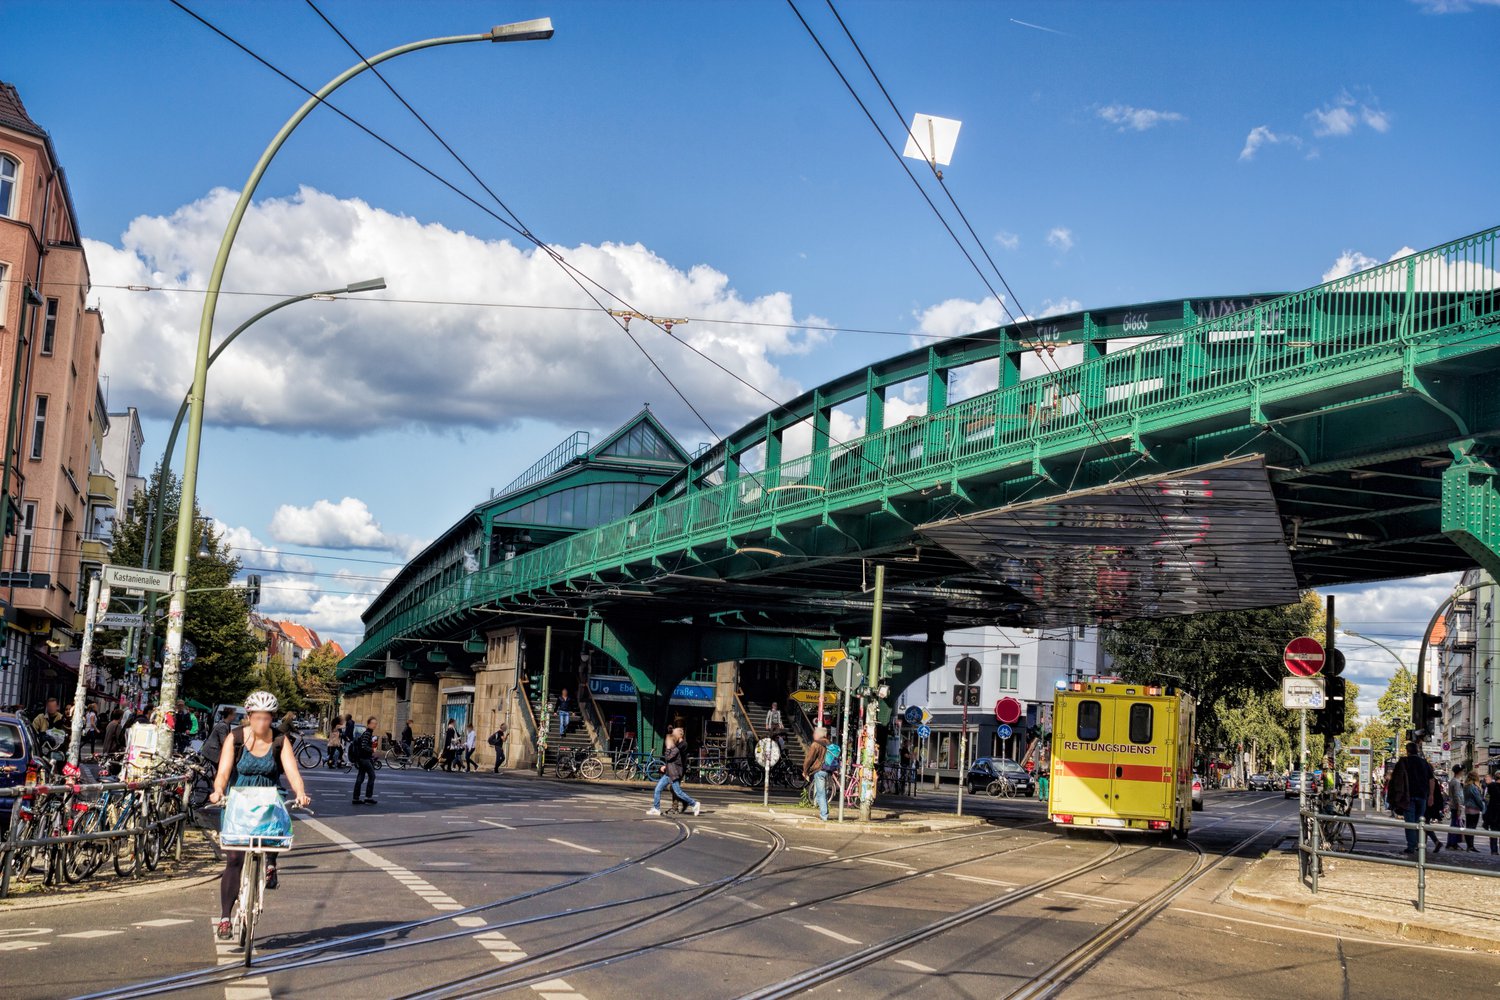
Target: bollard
[{"x": 1421, "y": 862}]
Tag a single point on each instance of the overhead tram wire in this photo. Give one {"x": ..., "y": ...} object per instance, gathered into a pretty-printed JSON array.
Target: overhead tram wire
[
  {"x": 519, "y": 230},
  {"x": 1092, "y": 423}
]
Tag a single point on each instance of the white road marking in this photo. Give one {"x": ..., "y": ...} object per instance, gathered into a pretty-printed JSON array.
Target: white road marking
[
  {"x": 446, "y": 864},
  {"x": 469, "y": 921},
  {"x": 163, "y": 922},
  {"x": 1094, "y": 899},
  {"x": 976, "y": 878},
  {"x": 746, "y": 902},
  {"x": 730, "y": 833},
  {"x": 880, "y": 861},
  {"x": 18, "y": 945},
  {"x": 917, "y": 966},
  {"x": 813, "y": 850},
  {"x": 672, "y": 875},
  {"x": 833, "y": 934},
  {"x": 95, "y": 933},
  {"x": 576, "y": 847},
  {"x": 1294, "y": 929},
  {"x": 500, "y": 825}
]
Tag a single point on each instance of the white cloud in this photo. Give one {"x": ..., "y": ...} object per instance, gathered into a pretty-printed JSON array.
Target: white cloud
[
  {"x": 347, "y": 524},
  {"x": 1344, "y": 114},
  {"x": 1061, "y": 238},
  {"x": 1009, "y": 241},
  {"x": 956, "y": 317},
  {"x": 1348, "y": 263},
  {"x": 1395, "y": 614},
  {"x": 354, "y": 367},
  {"x": 1059, "y": 307},
  {"x": 1137, "y": 119},
  {"x": 1261, "y": 135}
]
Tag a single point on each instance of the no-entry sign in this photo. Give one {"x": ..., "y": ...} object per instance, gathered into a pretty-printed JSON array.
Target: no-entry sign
[
  {"x": 1008, "y": 710},
  {"x": 1303, "y": 656}
]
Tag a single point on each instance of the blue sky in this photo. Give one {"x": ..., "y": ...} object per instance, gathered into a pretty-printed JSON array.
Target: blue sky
[{"x": 701, "y": 159}]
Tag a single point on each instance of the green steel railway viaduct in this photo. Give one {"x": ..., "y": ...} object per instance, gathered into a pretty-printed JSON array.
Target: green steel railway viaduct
[{"x": 1203, "y": 454}]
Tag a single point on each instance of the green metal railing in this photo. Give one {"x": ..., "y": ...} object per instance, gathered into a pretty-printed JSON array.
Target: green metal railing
[{"x": 1441, "y": 302}]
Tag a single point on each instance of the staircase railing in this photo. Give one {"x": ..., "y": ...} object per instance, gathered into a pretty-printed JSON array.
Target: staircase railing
[
  {"x": 742, "y": 717},
  {"x": 593, "y": 716}
]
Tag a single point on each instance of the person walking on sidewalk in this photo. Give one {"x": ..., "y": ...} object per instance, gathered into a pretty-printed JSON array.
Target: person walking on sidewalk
[
  {"x": 1474, "y": 806},
  {"x": 1492, "y": 809},
  {"x": 497, "y": 740},
  {"x": 469, "y": 737},
  {"x": 1456, "y": 805},
  {"x": 564, "y": 712},
  {"x": 451, "y": 743},
  {"x": 1412, "y": 789},
  {"x": 815, "y": 771},
  {"x": 675, "y": 767},
  {"x": 361, "y": 752}
]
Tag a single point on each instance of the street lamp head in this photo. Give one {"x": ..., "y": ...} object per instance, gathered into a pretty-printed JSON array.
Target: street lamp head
[
  {"x": 372, "y": 285},
  {"x": 537, "y": 30}
]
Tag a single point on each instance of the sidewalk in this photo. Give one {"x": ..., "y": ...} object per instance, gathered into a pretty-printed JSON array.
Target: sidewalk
[
  {"x": 200, "y": 864},
  {"x": 1462, "y": 911}
]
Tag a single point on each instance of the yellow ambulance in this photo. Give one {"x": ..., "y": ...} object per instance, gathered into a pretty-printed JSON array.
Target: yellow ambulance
[{"x": 1122, "y": 757}]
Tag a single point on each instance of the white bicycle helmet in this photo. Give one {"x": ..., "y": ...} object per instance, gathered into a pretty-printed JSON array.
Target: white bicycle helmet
[{"x": 260, "y": 701}]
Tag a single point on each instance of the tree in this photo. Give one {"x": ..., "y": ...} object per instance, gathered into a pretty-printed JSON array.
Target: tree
[
  {"x": 1221, "y": 657},
  {"x": 216, "y": 619},
  {"x": 317, "y": 678},
  {"x": 276, "y": 677},
  {"x": 1395, "y": 704}
]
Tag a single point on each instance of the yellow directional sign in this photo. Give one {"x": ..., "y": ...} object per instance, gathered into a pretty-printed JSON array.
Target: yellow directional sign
[
  {"x": 831, "y": 658},
  {"x": 811, "y": 697}
]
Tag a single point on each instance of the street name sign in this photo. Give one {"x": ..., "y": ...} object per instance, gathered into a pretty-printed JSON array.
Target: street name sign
[
  {"x": 137, "y": 578},
  {"x": 1302, "y": 692},
  {"x": 1303, "y": 656}
]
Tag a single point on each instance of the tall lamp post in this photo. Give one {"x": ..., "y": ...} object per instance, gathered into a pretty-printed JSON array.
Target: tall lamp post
[
  {"x": 151, "y": 550},
  {"x": 171, "y": 673}
]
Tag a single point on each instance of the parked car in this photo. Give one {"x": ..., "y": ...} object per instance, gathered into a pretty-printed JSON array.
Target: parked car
[
  {"x": 1259, "y": 782},
  {"x": 987, "y": 769},
  {"x": 17, "y": 760},
  {"x": 1198, "y": 793},
  {"x": 1296, "y": 781}
]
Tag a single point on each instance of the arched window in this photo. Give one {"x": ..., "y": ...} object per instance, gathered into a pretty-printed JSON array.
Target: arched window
[{"x": 10, "y": 170}]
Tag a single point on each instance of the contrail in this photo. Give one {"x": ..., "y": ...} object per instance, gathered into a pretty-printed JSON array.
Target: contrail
[{"x": 1038, "y": 27}]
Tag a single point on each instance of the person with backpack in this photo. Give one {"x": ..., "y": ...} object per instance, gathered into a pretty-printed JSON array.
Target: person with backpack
[
  {"x": 452, "y": 745},
  {"x": 362, "y": 755},
  {"x": 253, "y": 758},
  {"x": 815, "y": 769},
  {"x": 497, "y": 740},
  {"x": 675, "y": 766},
  {"x": 1413, "y": 793}
]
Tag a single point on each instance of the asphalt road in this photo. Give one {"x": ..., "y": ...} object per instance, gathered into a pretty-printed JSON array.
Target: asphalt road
[{"x": 465, "y": 885}]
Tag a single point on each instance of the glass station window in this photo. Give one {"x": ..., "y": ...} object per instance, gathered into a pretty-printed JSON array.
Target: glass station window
[
  {"x": 1089, "y": 715},
  {"x": 1142, "y": 717}
]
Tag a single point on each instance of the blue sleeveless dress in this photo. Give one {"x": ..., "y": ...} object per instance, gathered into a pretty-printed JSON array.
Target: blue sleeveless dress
[{"x": 256, "y": 772}]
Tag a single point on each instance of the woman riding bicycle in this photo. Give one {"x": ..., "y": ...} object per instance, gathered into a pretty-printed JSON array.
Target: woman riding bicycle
[{"x": 253, "y": 758}]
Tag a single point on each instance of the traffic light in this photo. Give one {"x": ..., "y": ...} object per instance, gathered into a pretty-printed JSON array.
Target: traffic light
[
  {"x": 252, "y": 590},
  {"x": 890, "y": 660},
  {"x": 1330, "y": 720},
  {"x": 1427, "y": 713}
]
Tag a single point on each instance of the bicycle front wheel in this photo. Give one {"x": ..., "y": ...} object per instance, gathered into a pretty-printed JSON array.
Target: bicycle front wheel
[
  {"x": 592, "y": 769},
  {"x": 309, "y": 755}
]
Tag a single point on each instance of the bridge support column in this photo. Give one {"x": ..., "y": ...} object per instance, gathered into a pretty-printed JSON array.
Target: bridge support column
[
  {"x": 656, "y": 660},
  {"x": 1471, "y": 507}
]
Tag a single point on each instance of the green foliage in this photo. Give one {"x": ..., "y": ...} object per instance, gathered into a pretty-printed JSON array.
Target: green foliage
[
  {"x": 1224, "y": 658},
  {"x": 1262, "y": 727},
  {"x": 275, "y": 677},
  {"x": 1395, "y": 704},
  {"x": 316, "y": 677},
  {"x": 216, "y": 621}
]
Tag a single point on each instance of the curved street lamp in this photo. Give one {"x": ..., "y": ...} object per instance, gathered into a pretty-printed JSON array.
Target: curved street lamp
[{"x": 538, "y": 29}]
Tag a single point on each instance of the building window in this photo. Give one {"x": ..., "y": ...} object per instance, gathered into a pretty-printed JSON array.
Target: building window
[
  {"x": 1089, "y": 715},
  {"x": 49, "y": 327},
  {"x": 26, "y": 532},
  {"x": 1141, "y": 721},
  {"x": 9, "y": 171},
  {"x": 1009, "y": 678},
  {"x": 39, "y": 427},
  {"x": 1010, "y": 659}
]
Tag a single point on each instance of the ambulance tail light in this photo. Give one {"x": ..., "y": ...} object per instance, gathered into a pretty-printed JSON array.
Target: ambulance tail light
[
  {"x": 1062, "y": 818},
  {"x": 1160, "y": 824}
]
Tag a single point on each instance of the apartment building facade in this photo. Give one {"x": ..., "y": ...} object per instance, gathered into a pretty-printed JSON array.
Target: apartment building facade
[{"x": 1468, "y": 660}]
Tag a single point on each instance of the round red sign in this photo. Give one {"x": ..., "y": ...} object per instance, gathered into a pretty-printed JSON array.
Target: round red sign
[
  {"x": 1303, "y": 656},
  {"x": 1008, "y": 710}
]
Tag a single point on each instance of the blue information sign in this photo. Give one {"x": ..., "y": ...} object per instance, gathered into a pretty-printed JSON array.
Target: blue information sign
[
  {"x": 924, "y": 731},
  {"x": 1004, "y": 731},
  {"x": 913, "y": 715}
]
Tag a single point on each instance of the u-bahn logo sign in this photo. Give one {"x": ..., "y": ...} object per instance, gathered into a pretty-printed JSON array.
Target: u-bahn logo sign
[{"x": 1303, "y": 656}]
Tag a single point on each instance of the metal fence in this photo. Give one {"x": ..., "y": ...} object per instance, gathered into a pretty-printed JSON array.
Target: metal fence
[
  {"x": 1315, "y": 827},
  {"x": 148, "y": 820}
]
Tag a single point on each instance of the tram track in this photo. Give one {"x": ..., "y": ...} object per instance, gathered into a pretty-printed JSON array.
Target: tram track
[
  {"x": 318, "y": 953},
  {"x": 484, "y": 984}
]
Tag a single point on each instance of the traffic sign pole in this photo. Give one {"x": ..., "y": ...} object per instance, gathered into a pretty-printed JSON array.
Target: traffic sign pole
[{"x": 81, "y": 693}]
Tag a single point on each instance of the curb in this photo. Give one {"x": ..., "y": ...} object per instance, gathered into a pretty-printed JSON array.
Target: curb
[
  {"x": 1313, "y": 910},
  {"x": 96, "y": 895},
  {"x": 801, "y": 818}
]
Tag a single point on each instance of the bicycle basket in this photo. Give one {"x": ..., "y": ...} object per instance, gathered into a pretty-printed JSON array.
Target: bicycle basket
[{"x": 255, "y": 817}]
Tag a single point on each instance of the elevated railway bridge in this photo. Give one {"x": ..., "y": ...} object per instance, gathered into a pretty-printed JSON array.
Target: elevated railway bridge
[{"x": 1203, "y": 454}]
